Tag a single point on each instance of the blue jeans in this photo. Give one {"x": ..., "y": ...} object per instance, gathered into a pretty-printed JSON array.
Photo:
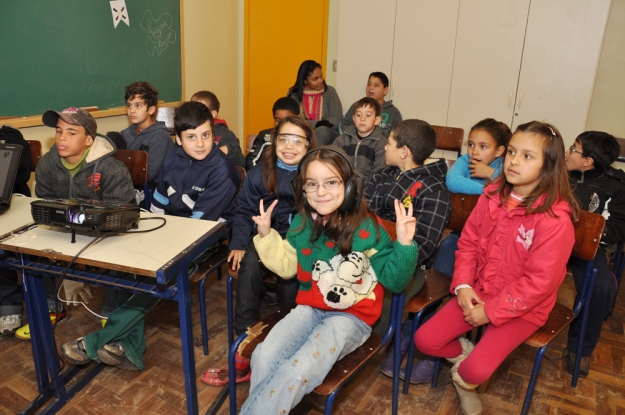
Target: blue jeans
[
  {"x": 297, "y": 355},
  {"x": 446, "y": 255}
]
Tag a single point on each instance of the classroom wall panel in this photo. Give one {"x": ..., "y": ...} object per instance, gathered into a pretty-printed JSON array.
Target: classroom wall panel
[{"x": 608, "y": 100}]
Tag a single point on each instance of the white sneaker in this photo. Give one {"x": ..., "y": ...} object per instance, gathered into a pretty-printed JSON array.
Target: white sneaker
[{"x": 10, "y": 324}]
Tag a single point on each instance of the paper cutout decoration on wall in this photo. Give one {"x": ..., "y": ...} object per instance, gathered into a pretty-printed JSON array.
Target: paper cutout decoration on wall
[{"x": 120, "y": 12}]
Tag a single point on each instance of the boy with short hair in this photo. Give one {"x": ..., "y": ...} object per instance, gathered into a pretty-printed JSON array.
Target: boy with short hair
[
  {"x": 146, "y": 133},
  {"x": 222, "y": 136},
  {"x": 599, "y": 188},
  {"x": 377, "y": 88},
  {"x": 364, "y": 140},
  {"x": 81, "y": 164},
  {"x": 412, "y": 177},
  {"x": 196, "y": 180},
  {"x": 282, "y": 108}
]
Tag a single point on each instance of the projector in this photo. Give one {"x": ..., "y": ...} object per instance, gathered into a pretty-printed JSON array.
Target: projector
[{"x": 85, "y": 215}]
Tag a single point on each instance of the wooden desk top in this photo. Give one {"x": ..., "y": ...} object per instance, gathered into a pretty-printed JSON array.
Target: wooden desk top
[
  {"x": 17, "y": 216},
  {"x": 141, "y": 253}
]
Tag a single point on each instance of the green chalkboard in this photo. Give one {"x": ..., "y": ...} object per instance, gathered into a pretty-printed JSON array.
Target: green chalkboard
[{"x": 61, "y": 53}]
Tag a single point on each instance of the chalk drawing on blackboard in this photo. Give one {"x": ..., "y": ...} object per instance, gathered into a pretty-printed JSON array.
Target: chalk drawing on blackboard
[
  {"x": 120, "y": 12},
  {"x": 159, "y": 32}
]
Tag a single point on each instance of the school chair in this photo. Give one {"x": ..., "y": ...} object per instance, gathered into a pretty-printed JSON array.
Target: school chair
[
  {"x": 136, "y": 162},
  {"x": 588, "y": 230},
  {"x": 436, "y": 286},
  {"x": 35, "y": 151},
  {"x": 449, "y": 139},
  {"x": 343, "y": 370},
  {"x": 214, "y": 263}
]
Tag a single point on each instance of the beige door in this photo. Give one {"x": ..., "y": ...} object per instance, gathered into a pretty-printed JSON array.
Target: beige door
[{"x": 279, "y": 36}]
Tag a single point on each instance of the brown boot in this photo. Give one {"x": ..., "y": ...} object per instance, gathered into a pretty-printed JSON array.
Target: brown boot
[{"x": 470, "y": 402}]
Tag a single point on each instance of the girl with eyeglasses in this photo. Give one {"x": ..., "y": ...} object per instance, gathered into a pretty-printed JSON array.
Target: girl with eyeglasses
[
  {"x": 267, "y": 182},
  {"x": 343, "y": 260}
]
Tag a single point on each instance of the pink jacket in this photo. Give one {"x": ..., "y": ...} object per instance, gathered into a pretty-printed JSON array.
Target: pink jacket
[{"x": 514, "y": 262}]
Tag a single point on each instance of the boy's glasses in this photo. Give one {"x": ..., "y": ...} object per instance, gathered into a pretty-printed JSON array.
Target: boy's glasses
[
  {"x": 572, "y": 149},
  {"x": 294, "y": 139},
  {"x": 312, "y": 187}
]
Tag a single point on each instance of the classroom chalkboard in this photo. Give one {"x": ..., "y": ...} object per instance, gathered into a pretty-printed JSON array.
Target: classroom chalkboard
[{"x": 62, "y": 53}]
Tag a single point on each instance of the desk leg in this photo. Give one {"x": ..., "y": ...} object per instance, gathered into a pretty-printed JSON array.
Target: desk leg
[
  {"x": 47, "y": 364},
  {"x": 186, "y": 332},
  {"x": 33, "y": 293}
]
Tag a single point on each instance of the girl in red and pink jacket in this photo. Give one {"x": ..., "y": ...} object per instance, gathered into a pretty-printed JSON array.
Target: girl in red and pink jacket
[{"x": 511, "y": 259}]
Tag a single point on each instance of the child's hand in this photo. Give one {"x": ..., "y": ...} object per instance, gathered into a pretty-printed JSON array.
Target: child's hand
[
  {"x": 480, "y": 170},
  {"x": 405, "y": 224},
  {"x": 263, "y": 221},
  {"x": 467, "y": 298},
  {"x": 236, "y": 255},
  {"x": 476, "y": 316}
]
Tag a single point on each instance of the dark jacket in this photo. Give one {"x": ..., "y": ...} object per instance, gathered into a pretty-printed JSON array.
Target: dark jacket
[
  {"x": 10, "y": 135},
  {"x": 261, "y": 142},
  {"x": 101, "y": 176},
  {"x": 425, "y": 187},
  {"x": 390, "y": 116},
  {"x": 603, "y": 192},
  {"x": 367, "y": 155},
  {"x": 248, "y": 201},
  {"x": 201, "y": 189},
  {"x": 155, "y": 140},
  {"x": 222, "y": 136}
]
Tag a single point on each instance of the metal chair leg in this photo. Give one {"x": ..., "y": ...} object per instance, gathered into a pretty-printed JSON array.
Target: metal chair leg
[
  {"x": 530, "y": 388},
  {"x": 203, "y": 314}
]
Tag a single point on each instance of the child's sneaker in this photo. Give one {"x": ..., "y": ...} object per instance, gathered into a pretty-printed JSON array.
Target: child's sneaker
[
  {"x": 76, "y": 352},
  {"x": 113, "y": 354},
  {"x": 23, "y": 333},
  {"x": 9, "y": 324}
]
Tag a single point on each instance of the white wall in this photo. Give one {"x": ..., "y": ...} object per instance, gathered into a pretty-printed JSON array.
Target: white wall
[{"x": 607, "y": 108}]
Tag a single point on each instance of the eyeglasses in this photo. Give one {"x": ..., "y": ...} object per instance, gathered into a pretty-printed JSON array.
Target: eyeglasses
[
  {"x": 572, "y": 149},
  {"x": 294, "y": 139},
  {"x": 312, "y": 187}
]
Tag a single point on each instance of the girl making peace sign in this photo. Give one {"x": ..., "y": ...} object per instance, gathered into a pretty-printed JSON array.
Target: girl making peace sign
[{"x": 343, "y": 260}]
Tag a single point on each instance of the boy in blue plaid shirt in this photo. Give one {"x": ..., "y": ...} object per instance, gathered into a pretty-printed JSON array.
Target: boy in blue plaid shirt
[{"x": 411, "y": 176}]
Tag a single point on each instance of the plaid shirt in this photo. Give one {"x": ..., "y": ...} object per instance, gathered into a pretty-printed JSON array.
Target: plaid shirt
[{"x": 425, "y": 187}]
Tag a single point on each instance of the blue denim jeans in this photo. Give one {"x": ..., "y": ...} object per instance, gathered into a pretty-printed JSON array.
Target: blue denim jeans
[
  {"x": 446, "y": 255},
  {"x": 297, "y": 355}
]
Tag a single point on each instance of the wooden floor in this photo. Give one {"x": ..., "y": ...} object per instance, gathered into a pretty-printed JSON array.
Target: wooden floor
[{"x": 159, "y": 389}]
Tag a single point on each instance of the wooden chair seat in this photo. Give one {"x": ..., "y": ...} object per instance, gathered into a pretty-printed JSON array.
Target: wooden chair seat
[
  {"x": 211, "y": 264},
  {"x": 259, "y": 334},
  {"x": 559, "y": 319},
  {"x": 341, "y": 370},
  {"x": 435, "y": 287}
]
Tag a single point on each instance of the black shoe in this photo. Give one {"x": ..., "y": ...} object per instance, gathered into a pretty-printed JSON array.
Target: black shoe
[{"x": 584, "y": 365}]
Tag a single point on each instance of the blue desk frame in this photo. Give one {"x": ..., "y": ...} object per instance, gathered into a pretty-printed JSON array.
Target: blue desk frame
[{"x": 46, "y": 361}]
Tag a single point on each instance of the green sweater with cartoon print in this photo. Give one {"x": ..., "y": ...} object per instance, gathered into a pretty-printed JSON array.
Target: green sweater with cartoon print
[{"x": 353, "y": 283}]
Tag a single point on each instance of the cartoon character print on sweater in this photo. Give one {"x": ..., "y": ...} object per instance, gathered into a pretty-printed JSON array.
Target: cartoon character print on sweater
[{"x": 345, "y": 280}]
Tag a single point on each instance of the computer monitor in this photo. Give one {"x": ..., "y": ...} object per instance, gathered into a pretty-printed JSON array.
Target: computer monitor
[{"x": 9, "y": 162}]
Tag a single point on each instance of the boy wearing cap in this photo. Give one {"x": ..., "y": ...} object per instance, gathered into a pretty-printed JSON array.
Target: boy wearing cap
[{"x": 80, "y": 164}]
